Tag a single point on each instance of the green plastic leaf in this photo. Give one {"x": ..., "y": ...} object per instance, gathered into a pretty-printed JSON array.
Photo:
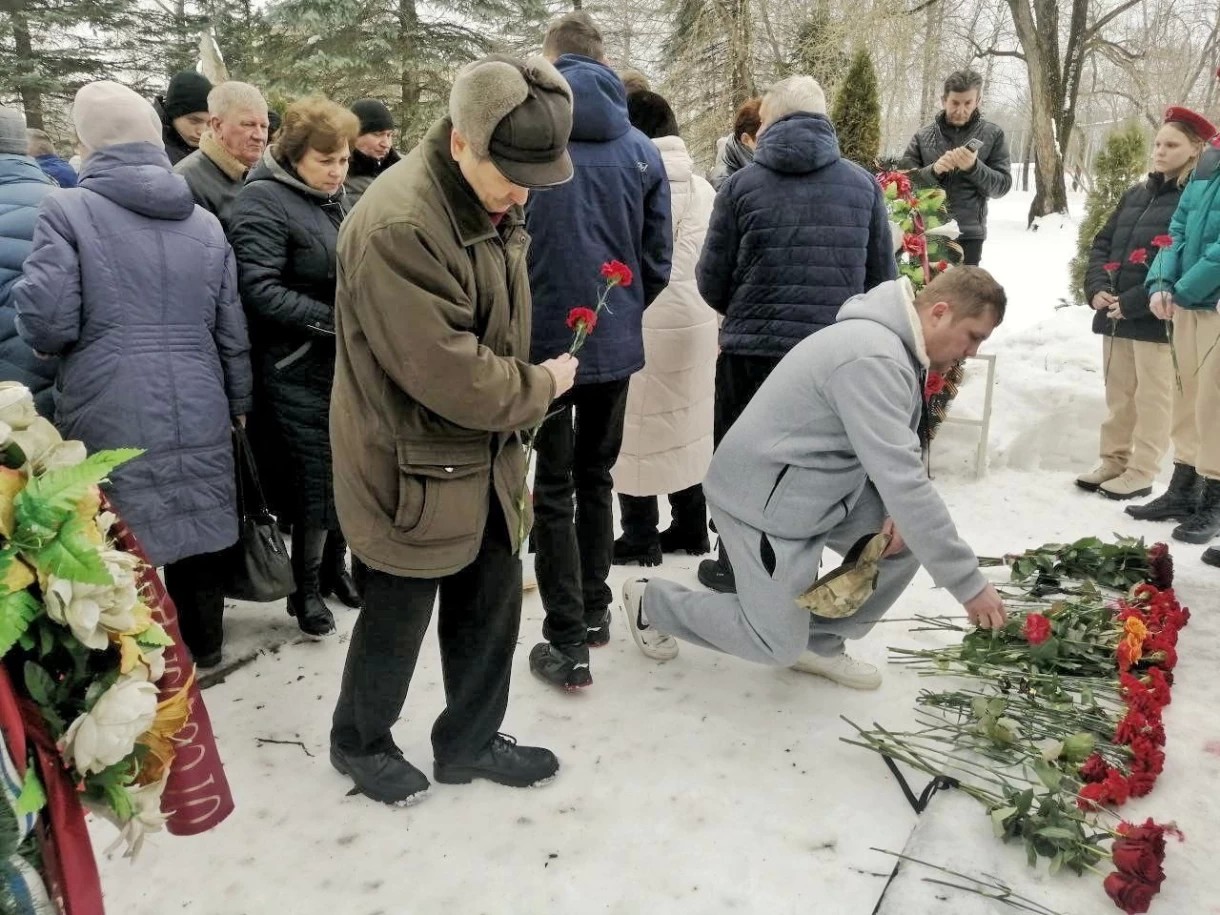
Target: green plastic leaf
[
  {"x": 72, "y": 555},
  {"x": 154, "y": 637},
  {"x": 38, "y": 683},
  {"x": 1048, "y": 775},
  {"x": 50, "y": 499},
  {"x": 32, "y": 798},
  {"x": 18, "y": 610}
]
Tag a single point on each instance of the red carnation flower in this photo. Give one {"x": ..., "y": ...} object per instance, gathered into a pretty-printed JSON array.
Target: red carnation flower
[
  {"x": 1141, "y": 783},
  {"x": 1139, "y": 256},
  {"x": 1094, "y": 769},
  {"x": 1161, "y": 563},
  {"x": 1138, "y": 859},
  {"x": 616, "y": 273},
  {"x": 1162, "y": 241},
  {"x": 942, "y": 266},
  {"x": 1037, "y": 629},
  {"x": 581, "y": 318},
  {"x": 915, "y": 245},
  {"x": 1130, "y": 894},
  {"x": 1091, "y": 796},
  {"x": 1111, "y": 267},
  {"x": 934, "y": 384}
]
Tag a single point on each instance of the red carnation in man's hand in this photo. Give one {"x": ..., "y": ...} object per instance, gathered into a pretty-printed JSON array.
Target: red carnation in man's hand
[
  {"x": 583, "y": 319},
  {"x": 1139, "y": 256},
  {"x": 616, "y": 273},
  {"x": 1162, "y": 241},
  {"x": 1111, "y": 267}
]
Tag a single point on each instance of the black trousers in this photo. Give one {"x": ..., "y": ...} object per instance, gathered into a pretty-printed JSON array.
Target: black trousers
[
  {"x": 972, "y": 251},
  {"x": 574, "y": 507},
  {"x": 641, "y": 514},
  {"x": 480, "y": 614},
  {"x": 195, "y": 584}
]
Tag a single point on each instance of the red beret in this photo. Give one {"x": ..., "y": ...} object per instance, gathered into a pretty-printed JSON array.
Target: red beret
[{"x": 1199, "y": 125}]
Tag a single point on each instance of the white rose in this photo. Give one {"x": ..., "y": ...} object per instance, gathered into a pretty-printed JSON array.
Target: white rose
[
  {"x": 16, "y": 405},
  {"x": 90, "y": 610},
  {"x": 146, "y": 817},
  {"x": 107, "y": 733},
  {"x": 153, "y": 667},
  {"x": 36, "y": 439},
  {"x": 65, "y": 454}
]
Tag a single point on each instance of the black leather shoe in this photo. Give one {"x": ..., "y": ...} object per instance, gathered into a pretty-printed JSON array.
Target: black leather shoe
[
  {"x": 502, "y": 762},
  {"x": 717, "y": 577},
  {"x": 565, "y": 666},
  {"x": 313, "y": 616},
  {"x": 384, "y": 777}
]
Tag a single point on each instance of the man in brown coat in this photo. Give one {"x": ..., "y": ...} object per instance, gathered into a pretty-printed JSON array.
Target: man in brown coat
[{"x": 429, "y": 400}]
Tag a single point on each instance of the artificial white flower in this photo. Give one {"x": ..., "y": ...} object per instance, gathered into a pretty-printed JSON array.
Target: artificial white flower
[
  {"x": 65, "y": 454},
  {"x": 146, "y": 817},
  {"x": 16, "y": 405},
  {"x": 90, "y": 610},
  {"x": 105, "y": 521},
  {"x": 107, "y": 733},
  {"x": 153, "y": 667},
  {"x": 36, "y": 439},
  {"x": 949, "y": 230}
]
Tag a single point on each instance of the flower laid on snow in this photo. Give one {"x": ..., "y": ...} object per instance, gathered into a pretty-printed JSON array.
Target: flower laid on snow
[
  {"x": 106, "y": 734},
  {"x": 1037, "y": 628}
]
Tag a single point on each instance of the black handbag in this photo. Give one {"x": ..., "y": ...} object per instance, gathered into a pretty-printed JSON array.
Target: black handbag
[{"x": 257, "y": 567}]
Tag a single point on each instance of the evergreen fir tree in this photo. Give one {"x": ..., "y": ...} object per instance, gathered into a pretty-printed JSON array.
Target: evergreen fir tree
[
  {"x": 818, "y": 51},
  {"x": 1122, "y": 160},
  {"x": 857, "y": 113}
]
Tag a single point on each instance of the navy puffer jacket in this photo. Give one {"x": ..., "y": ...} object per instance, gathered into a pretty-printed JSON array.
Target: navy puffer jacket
[
  {"x": 22, "y": 187},
  {"x": 616, "y": 207},
  {"x": 792, "y": 237}
]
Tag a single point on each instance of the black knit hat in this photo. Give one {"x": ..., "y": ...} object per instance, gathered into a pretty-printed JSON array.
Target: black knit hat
[
  {"x": 187, "y": 93},
  {"x": 374, "y": 116}
]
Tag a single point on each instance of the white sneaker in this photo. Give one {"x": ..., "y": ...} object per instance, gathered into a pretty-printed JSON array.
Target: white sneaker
[
  {"x": 842, "y": 668},
  {"x": 656, "y": 645}
]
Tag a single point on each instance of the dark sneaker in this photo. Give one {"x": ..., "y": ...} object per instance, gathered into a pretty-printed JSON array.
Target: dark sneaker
[
  {"x": 502, "y": 762},
  {"x": 678, "y": 540},
  {"x": 635, "y": 552},
  {"x": 565, "y": 666},
  {"x": 717, "y": 577},
  {"x": 384, "y": 777},
  {"x": 598, "y": 632}
]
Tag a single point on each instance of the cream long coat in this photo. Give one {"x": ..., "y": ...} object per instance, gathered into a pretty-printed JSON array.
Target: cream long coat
[{"x": 667, "y": 434}]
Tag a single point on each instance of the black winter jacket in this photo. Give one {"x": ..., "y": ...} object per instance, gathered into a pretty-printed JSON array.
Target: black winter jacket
[
  {"x": 175, "y": 147},
  {"x": 1142, "y": 214},
  {"x": 966, "y": 192},
  {"x": 792, "y": 237},
  {"x": 284, "y": 234}
]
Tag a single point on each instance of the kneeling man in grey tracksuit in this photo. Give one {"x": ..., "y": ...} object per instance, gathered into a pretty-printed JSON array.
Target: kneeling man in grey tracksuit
[{"x": 828, "y": 451}]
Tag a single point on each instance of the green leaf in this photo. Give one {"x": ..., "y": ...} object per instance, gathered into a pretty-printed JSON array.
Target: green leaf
[
  {"x": 72, "y": 555},
  {"x": 997, "y": 820},
  {"x": 1048, "y": 775},
  {"x": 50, "y": 499},
  {"x": 32, "y": 798},
  {"x": 1056, "y": 864},
  {"x": 1057, "y": 832},
  {"x": 154, "y": 637},
  {"x": 18, "y": 610},
  {"x": 38, "y": 683}
]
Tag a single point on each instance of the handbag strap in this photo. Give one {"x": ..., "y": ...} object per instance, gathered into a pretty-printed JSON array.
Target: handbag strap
[{"x": 246, "y": 465}]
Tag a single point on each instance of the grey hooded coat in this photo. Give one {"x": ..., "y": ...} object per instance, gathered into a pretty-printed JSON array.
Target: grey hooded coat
[{"x": 136, "y": 288}]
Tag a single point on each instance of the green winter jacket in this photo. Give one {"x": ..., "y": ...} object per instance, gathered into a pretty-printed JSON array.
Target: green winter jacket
[{"x": 1190, "y": 268}]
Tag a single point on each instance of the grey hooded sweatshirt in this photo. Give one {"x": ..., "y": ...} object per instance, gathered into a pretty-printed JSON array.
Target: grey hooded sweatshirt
[{"x": 839, "y": 413}]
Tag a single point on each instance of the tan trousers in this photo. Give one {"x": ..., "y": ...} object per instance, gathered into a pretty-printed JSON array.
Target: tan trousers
[
  {"x": 1196, "y": 411},
  {"x": 1139, "y": 394}
]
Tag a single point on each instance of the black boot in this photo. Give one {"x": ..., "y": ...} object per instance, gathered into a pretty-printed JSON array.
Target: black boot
[
  {"x": 305, "y": 603},
  {"x": 1178, "y": 502},
  {"x": 640, "y": 542},
  {"x": 502, "y": 761},
  {"x": 335, "y": 578},
  {"x": 1204, "y": 524},
  {"x": 717, "y": 573},
  {"x": 687, "y": 530},
  {"x": 1211, "y": 556},
  {"x": 565, "y": 666}
]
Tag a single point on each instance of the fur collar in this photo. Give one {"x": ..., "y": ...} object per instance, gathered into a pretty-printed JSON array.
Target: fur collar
[{"x": 224, "y": 160}]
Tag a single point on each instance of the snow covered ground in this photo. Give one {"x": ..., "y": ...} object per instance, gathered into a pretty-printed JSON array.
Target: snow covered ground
[{"x": 704, "y": 785}]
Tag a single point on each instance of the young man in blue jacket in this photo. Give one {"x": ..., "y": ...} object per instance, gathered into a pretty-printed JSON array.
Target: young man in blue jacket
[{"x": 615, "y": 208}]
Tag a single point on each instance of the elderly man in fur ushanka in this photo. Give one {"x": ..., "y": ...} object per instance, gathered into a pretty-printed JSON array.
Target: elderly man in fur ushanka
[{"x": 431, "y": 390}]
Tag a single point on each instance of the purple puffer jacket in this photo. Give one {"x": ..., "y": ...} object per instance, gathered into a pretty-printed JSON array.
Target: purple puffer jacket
[{"x": 136, "y": 288}]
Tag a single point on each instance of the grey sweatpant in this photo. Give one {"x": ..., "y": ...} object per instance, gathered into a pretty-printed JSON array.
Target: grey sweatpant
[{"x": 762, "y": 621}]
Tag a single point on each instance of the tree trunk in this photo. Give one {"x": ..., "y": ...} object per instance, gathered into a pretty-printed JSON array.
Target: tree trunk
[
  {"x": 408, "y": 74},
  {"x": 931, "y": 62},
  {"x": 741, "y": 46},
  {"x": 31, "y": 97},
  {"x": 1027, "y": 157},
  {"x": 1037, "y": 26}
]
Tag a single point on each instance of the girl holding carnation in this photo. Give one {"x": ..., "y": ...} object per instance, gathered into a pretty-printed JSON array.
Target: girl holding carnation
[{"x": 1139, "y": 374}]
